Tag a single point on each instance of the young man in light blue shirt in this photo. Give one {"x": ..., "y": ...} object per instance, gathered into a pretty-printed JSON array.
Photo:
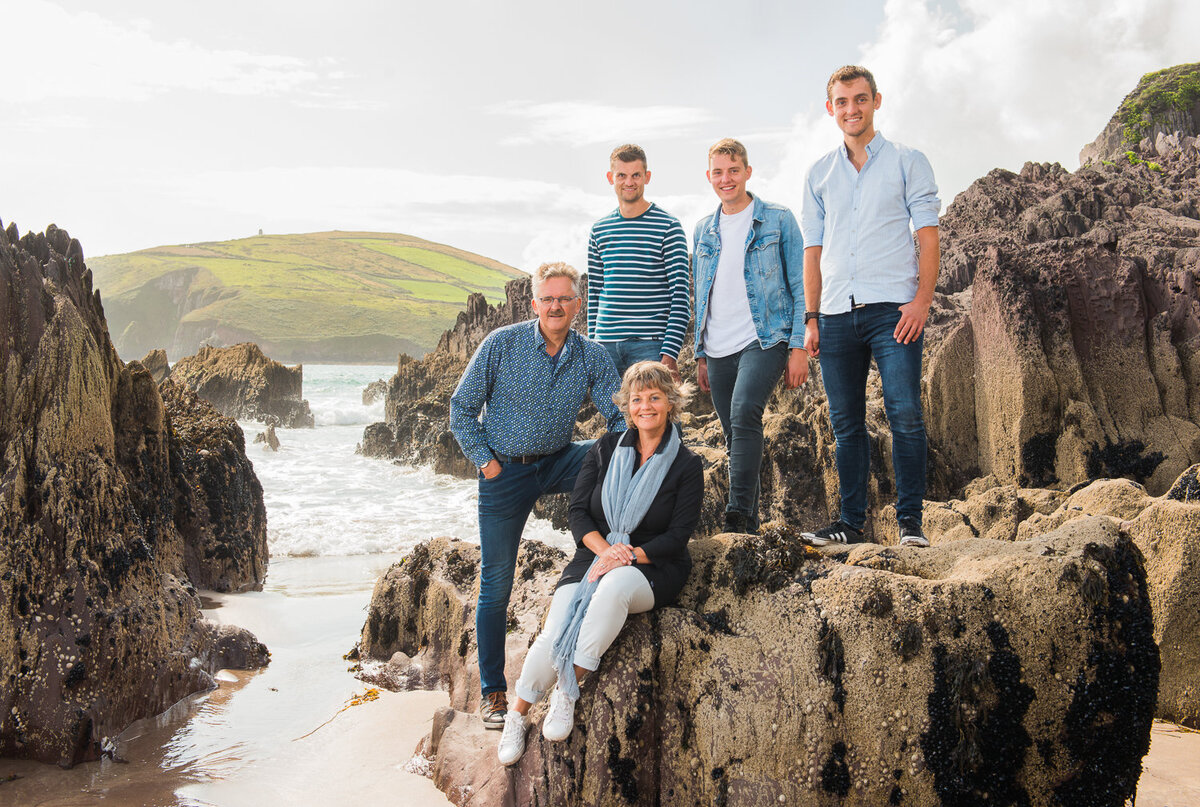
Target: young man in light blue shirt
[{"x": 869, "y": 296}]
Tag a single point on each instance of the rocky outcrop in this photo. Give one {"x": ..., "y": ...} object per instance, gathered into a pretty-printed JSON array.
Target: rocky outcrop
[
  {"x": 244, "y": 384},
  {"x": 268, "y": 438},
  {"x": 1025, "y": 671},
  {"x": 1162, "y": 113},
  {"x": 219, "y": 501},
  {"x": 156, "y": 364},
  {"x": 102, "y": 494},
  {"x": 1166, "y": 529},
  {"x": 374, "y": 391}
]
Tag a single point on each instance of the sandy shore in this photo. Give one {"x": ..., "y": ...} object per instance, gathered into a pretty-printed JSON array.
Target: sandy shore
[
  {"x": 244, "y": 744},
  {"x": 239, "y": 745}
]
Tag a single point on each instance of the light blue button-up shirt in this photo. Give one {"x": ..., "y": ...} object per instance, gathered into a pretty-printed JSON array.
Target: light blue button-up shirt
[
  {"x": 528, "y": 400},
  {"x": 860, "y": 219}
]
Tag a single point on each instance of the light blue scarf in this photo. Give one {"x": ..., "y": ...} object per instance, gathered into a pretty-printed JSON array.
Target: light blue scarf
[{"x": 625, "y": 498}]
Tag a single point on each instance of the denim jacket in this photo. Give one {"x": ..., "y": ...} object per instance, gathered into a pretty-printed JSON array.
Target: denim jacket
[{"x": 774, "y": 269}]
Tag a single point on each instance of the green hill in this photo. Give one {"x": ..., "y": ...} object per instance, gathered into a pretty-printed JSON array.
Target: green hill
[{"x": 335, "y": 296}]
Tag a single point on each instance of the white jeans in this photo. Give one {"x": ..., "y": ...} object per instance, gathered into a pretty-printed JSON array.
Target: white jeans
[{"x": 621, "y": 592}]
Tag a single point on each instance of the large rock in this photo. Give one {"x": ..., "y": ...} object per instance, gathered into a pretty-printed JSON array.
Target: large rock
[
  {"x": 1161, "y": 105},
  {"x": 1075, "y": 281},
  {"x": 99, "y": 622},
  {"x": 156, "y": 364},
  {"x": 972, "y": 672},
  {"x": 243, "y": 383}
]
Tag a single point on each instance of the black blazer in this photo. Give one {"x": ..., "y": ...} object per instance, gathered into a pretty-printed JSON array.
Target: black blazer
[{"x": 664, "y": 531}]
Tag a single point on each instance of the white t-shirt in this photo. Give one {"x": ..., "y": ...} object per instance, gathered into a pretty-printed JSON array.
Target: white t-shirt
[{"x": 728, "y": 324}]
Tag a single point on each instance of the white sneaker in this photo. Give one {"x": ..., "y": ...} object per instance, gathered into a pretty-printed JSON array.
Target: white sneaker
[
  {"x": 560, "y": 719},
  {"x": 512, "y": 740}
]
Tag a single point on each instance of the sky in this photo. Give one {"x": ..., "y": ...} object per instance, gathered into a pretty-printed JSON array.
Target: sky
[{"x": 488, "y": 125}]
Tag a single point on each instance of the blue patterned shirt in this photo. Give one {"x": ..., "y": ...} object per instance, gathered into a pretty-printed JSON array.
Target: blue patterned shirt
[{"x": 528, "y": 401}]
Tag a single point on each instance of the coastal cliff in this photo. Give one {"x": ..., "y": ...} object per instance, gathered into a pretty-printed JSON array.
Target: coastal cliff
[{"x": 115, "y": 503}]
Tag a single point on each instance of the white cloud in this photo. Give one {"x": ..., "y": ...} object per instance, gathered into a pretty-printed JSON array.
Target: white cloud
[
  {"x": 580, "y": 123},
  {"x": 54, "y": 53},
  {"x": 1005, "y": 83}
]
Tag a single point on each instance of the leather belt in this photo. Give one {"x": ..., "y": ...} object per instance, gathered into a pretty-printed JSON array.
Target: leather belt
[{"x": 526, "y": 459}]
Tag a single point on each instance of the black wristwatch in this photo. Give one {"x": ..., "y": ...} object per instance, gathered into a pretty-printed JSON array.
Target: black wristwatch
[{"x": 811, "y": 315}]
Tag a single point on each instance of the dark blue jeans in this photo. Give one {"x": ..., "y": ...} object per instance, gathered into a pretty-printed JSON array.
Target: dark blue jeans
[
  {"x": 848, "y": 341},
  {"x": 629, "y": 352},
  {"x": 505, "y": 502},
  {"x": 741, "y": 385}
]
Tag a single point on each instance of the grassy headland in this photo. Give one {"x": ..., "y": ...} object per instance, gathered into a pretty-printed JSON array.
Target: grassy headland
[{"x": 333, "y": 296}]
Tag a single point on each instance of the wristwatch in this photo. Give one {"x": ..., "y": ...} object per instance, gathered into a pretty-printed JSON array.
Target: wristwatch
[{"x": 811, "y": 315}]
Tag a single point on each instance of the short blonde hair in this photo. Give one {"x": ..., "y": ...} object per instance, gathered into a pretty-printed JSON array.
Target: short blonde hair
[
  {"x": 559, "y": 269},
  {"x": 731, "y": 148},
  {"x": 653, "y": 375}
]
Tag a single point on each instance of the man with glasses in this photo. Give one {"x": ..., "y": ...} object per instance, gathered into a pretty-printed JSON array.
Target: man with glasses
[
  {"x": 638, "y": 304},
  {"x": 513, "y": 414}
]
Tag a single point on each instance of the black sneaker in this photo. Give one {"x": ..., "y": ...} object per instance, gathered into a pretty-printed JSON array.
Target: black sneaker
[
  {"x": 737, "y": 522},
  {"x": 839, "y": 532},
  {"x": 911, "y": 534},
  {"x": 492, "y": 708}
]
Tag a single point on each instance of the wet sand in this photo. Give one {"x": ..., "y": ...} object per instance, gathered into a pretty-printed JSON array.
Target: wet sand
[{"x": 240, "y": 745}]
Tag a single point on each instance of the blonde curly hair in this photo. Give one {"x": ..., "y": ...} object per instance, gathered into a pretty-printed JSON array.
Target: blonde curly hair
[{"x": 653, "y": 375}]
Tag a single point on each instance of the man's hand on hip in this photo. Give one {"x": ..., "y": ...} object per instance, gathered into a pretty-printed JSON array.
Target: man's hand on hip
[{"x": 912, "y": 322}]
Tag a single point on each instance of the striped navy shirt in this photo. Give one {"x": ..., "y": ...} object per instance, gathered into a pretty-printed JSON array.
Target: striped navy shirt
[{"x": 638, "y": 279}]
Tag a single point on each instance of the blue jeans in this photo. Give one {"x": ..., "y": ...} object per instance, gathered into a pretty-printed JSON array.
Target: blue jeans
[
  {"x": 629, "y": 352},
  {"x": 741, "y": 385},
  {"x": 848, "y": 341},
  {"x": 505, "y": 502}
]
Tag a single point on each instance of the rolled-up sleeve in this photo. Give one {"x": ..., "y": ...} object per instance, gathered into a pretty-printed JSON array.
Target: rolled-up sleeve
[
  {"x": 812, "y": 213},
  {"x": 921, "y": 193}
]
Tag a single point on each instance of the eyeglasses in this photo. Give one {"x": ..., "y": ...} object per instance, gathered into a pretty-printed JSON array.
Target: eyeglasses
[{"x": 566, "y": 298}]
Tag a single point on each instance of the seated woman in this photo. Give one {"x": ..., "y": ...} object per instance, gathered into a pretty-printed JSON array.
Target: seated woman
[{"x": 635, "y": 505}]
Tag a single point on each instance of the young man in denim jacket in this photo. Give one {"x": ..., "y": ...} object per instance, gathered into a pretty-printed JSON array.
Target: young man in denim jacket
[
  {"x": 748, "y": 264},
  {"x": 873, "y": 295}
]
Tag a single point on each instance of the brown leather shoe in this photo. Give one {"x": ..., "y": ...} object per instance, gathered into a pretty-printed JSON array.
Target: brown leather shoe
[{"x": 492, "y": 709}]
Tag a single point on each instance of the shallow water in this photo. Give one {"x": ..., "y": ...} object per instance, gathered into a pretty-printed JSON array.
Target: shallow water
[{"x": 336, "y": 521}]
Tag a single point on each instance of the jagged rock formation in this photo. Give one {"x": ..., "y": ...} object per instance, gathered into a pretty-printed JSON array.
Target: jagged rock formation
[
  {"x": 219, "y": 501},
  {"x": 268, "y": 438},
  {"x": 243, "y": 383},
  {"x": 112, "y": 509},
  {"x": 1023, "y": 670},
  {"x": 1076, "y": 281},
  {"x": 1162, "y": 113},
  {"x": 156, "y": 364},
  {"x": 374, "y": 391}
]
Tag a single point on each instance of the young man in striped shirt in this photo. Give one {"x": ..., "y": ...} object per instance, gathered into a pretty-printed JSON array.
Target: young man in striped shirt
[{"x": 638, "y": 303}]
